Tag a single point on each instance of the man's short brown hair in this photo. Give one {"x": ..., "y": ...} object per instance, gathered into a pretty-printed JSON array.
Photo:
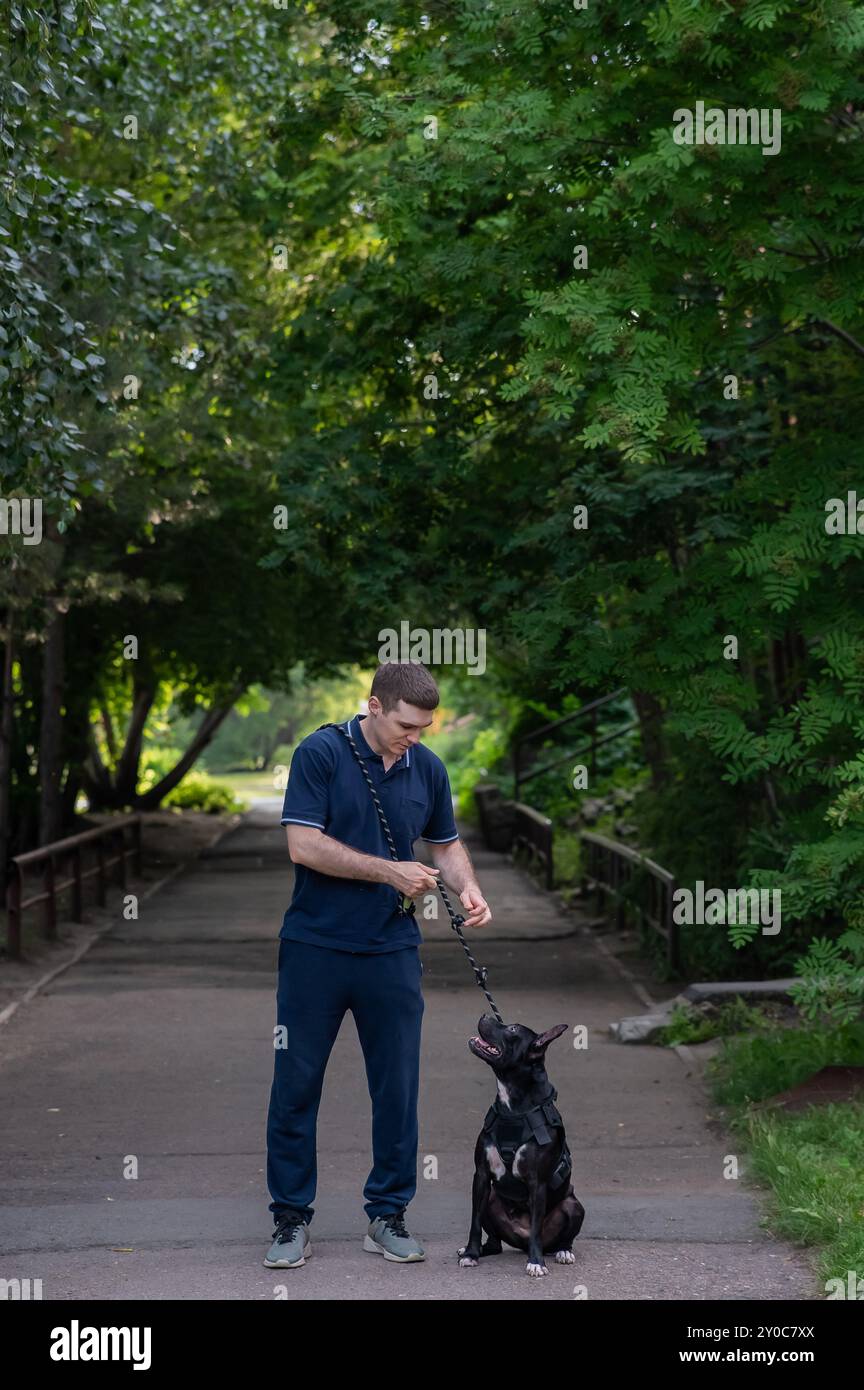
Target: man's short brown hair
[{"x": 404, "y": 680}]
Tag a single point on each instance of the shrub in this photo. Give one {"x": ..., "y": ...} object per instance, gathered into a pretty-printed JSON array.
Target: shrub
[
  {"x": 200, "y": 792},
  {"x": 832, "y": 979},
  {"x": 690, "y": 1025}
]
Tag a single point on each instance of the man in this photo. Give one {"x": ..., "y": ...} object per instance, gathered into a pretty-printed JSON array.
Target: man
[{"x": 348, "y": 943}]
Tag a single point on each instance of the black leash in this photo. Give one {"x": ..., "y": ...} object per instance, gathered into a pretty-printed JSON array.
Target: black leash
[{"x": 456, "y": 921}]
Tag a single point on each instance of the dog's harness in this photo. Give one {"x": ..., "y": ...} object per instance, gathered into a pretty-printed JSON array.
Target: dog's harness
[{"x": 508, "y": 1131}]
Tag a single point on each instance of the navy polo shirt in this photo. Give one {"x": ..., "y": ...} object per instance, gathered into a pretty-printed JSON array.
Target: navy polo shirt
[{"x": 327, "y": 789}]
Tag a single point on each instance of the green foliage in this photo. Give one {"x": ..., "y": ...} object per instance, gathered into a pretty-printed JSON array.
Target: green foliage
[
  {"x": 477, "y": 763},
  {"x": 200, "y": 792},
  {"x": 156, "y": 761},
  {"x": 832, "y": 979},
  {"x": 568, "y": 859},
  {"x": 430, "y": 381},
  {"x": 136, "y": 308},
  {"x": 197, "y": 791},
  {"x": 602, "y": 386},
  {"x": 265, "y": 726},
  {"x": 757, "y": 1066},
  {"x": 688, "y": 1024}
]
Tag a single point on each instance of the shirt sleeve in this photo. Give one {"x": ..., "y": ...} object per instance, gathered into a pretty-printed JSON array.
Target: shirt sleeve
[
  {"x": 440, "y": 828},
  {"x": 307, "y": 795}
]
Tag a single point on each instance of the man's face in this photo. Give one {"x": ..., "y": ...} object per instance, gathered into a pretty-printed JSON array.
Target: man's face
[{"x": 399, "y": 728}]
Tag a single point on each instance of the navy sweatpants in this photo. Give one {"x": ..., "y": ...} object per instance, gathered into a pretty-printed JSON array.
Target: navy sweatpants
[{"x": 316, "y": 987}]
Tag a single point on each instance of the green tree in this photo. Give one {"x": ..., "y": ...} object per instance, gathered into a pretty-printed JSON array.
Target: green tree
[{"x": 689, "y": 376}]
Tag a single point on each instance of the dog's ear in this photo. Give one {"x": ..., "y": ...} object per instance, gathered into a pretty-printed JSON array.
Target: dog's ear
[{"x": 542, "y": 1041}]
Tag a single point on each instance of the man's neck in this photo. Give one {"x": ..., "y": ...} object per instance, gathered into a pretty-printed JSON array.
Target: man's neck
[{"x": 370, "y": 735}]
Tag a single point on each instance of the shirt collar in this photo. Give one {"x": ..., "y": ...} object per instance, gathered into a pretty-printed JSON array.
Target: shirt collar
[{"x": 354, "y": 727}]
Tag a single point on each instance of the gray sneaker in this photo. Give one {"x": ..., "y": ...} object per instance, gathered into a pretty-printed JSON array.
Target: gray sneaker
[
  {"x": 291, "y": 1245},
  {"x": 387, "y": 1236}
]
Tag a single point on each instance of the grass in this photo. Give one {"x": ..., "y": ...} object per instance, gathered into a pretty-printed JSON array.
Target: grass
[
  {"x": 811, "y": 1162},
  {"x": 758, "y": 1065}
]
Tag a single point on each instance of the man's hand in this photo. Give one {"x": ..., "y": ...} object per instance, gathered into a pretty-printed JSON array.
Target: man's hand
[
  {"x": 478, "y": 910},
  {"x": 455, "y": 862},
  {"x": 412, "y": 878}
]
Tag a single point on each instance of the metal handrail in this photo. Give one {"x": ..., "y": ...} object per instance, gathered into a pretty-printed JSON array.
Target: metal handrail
[
  {"x": 575, "y": 714},
  {"x": 587, "y": 748},
  {"x": 611, "y": 868},
  {"x": 590, "y": 709},
  {"x": 72, "y": 846},
  {"x": 533, "y": 831}
]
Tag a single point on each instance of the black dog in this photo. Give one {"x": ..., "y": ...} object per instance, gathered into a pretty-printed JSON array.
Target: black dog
[{"x": 522, "y": 1192}]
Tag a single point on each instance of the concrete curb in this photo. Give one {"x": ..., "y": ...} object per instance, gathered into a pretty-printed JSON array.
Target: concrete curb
[{"x": 680, "y": 1049}]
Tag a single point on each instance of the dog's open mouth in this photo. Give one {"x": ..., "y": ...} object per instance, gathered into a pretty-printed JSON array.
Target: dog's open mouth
[{"x": 488, "y": 1049}]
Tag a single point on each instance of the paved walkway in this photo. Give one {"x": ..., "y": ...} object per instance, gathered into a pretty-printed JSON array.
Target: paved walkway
[{"x": 158, "y": 1045}]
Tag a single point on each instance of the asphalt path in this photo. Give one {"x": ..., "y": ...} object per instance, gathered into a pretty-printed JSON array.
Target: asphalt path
[{"x": 153, "y": 1054}]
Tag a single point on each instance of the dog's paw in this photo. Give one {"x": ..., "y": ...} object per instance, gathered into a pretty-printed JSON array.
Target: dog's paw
[
  {"x": 466, "y": 1261},
  {"x": 535, "y": 1270},
  {"x": 565, "y": 1257}
]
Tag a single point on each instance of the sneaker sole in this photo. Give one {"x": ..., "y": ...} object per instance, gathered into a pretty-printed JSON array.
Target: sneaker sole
[
  {"x": 376, "y": 1249},
  {"x": 290, "y": 1264}
]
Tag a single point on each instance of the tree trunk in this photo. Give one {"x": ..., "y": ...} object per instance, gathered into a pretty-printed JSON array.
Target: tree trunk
[
  {"x": 284, "y": 734},
  {"x": 51, "y": 731},
  {"x": 650, "y": 714},
  {"x": 6, "y": 703},
  {"x": 108, "y": 726},
  {"x": 76, "y": 748},
  {"x": 126, "y": 777},
  {"x": 95, "y": 776},
  {"x": 209, "y": 724}
]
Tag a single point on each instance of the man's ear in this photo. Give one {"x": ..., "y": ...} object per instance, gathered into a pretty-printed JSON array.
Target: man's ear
[{"x": 542, "y": 1041}]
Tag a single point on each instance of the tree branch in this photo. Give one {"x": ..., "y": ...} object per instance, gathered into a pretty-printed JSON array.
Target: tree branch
[
  {"x": 841, "y": 333},
  {"x": 209, "y": 724}
]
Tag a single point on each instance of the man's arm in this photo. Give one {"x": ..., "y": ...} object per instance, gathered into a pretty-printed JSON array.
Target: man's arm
[
  {"x": 310, "y": 846},
  {"x": 455, "y": 864}
]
